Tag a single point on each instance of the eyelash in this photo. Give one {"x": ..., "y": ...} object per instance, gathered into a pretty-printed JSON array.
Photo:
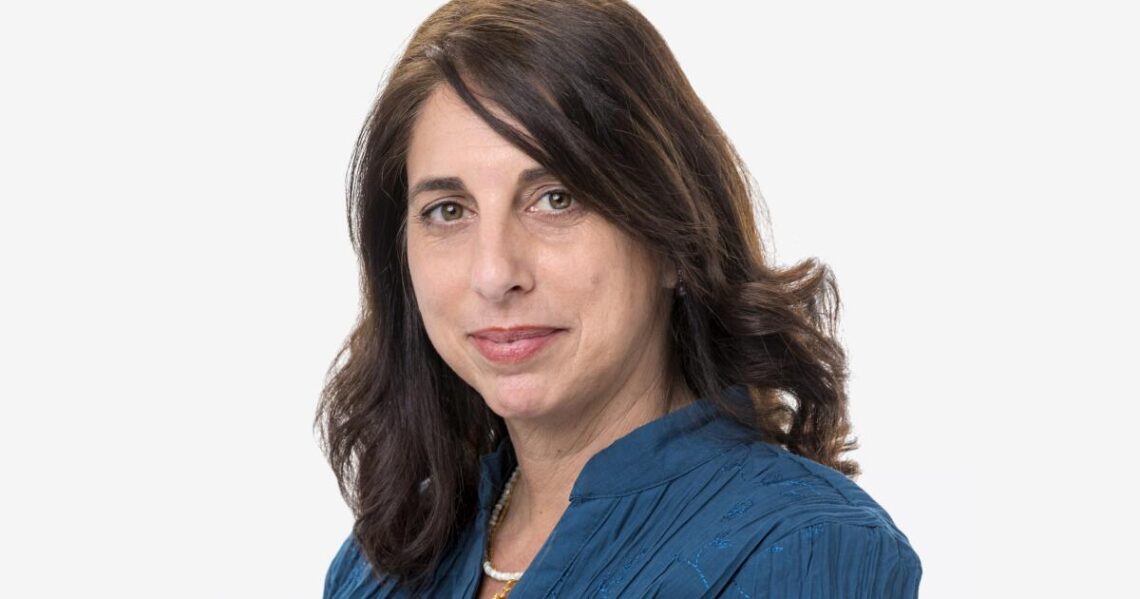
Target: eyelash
[{"x": 425, "y": 215}]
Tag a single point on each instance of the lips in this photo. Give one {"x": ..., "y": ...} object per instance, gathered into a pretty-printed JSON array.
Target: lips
[
  {"x": 513, "y": 334},
  {"x": 515, "y": 344}
]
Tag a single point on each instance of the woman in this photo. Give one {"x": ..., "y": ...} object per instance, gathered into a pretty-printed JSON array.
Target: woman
[{"x": 574, "y": 373}]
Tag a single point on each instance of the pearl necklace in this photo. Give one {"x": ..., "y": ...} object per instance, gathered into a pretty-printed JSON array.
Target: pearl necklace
[{"x": 504, "y": 501}]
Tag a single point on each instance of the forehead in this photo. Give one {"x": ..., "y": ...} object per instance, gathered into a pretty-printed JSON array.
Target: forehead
[{"x": 448, "y": 136}]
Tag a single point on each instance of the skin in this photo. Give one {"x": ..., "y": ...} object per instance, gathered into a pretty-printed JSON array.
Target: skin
[{"x": 497, "y": 253}]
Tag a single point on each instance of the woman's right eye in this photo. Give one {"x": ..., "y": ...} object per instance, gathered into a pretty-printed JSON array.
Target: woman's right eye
[{"x": 448, "y": 211}]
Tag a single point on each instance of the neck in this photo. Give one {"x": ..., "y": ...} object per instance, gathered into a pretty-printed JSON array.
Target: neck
[{"x": 551, "y": 457}]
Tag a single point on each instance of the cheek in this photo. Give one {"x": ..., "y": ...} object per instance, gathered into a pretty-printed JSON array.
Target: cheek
[
  {"x": 614, "y": 285},
  {"x": 434, "y": 286},
  {"x": 438, "y": 311}
]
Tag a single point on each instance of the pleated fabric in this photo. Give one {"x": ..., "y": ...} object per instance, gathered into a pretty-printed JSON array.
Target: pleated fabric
[{"x": 689, "y": 505}]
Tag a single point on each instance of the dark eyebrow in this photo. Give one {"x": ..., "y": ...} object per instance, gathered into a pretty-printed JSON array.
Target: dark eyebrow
[
  {"x": 533, "y": 174},
  {"x": 456, "y": 184}
]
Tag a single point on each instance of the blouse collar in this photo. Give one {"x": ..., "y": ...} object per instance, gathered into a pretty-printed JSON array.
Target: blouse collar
[{"x": 652, "y": 454}]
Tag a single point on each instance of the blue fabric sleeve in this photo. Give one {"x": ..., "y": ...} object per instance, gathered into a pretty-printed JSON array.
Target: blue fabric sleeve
[
  {"x": 350, "y": 575},
  {"x": 832, "y": 560},
  {"x": 341, "y": 564}
]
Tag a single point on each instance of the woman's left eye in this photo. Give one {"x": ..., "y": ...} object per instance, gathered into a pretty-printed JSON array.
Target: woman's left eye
[{"x": 557, "y": 200}]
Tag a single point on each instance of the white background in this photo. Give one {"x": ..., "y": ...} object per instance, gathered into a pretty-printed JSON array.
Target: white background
[{"x": 176, "y": 273}]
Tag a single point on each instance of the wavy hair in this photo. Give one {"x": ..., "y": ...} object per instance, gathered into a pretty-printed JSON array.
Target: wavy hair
[{"x": 606, "y": 108}]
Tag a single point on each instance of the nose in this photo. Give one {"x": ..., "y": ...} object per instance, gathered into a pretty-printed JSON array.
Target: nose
[{"x": 501, "y": 266}]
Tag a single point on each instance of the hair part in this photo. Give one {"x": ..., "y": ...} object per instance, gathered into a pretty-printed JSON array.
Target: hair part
[{"x": 603, "y": 104}]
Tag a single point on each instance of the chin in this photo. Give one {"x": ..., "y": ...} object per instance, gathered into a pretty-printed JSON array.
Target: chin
[{"x": 522, "y": 396}]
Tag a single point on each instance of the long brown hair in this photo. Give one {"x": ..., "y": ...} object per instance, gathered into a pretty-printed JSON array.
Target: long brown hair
[{"x": 606, "y": 108}]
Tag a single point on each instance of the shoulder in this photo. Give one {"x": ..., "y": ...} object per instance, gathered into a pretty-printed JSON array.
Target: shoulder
[
  {"x": 350, "y": 575},
  {"x": 794, "y": 488},
  {"x": 809, "y": 529},
  {"x": 831, "y": 558}
]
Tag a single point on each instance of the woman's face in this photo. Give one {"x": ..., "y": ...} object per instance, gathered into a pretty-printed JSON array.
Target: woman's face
[{"x": 540, "y": 305}]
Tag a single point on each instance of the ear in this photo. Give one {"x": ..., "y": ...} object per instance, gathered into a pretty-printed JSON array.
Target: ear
[
  {"x": 671, "y": 274},
  {"x": 668, "y": 271}
]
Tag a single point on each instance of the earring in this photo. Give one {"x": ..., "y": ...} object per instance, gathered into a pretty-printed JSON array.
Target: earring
[{"x": 681, "y": 291}]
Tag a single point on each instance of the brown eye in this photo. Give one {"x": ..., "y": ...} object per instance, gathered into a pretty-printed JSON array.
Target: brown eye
[
  {"x": 451, "y": 211},
  {"x": 557, "y": 199},
  {"x": 448, "y": 211}
]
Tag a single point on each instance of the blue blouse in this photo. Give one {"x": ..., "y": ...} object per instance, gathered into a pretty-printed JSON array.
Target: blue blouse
[{"x": 689, "y": 505}]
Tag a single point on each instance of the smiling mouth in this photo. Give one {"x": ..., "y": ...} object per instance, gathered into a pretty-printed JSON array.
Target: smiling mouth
[{"x": 512, "y": 346}]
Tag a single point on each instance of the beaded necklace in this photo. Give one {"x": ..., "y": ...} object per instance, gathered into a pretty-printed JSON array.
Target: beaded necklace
[{"x": 499, "y": 511}]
